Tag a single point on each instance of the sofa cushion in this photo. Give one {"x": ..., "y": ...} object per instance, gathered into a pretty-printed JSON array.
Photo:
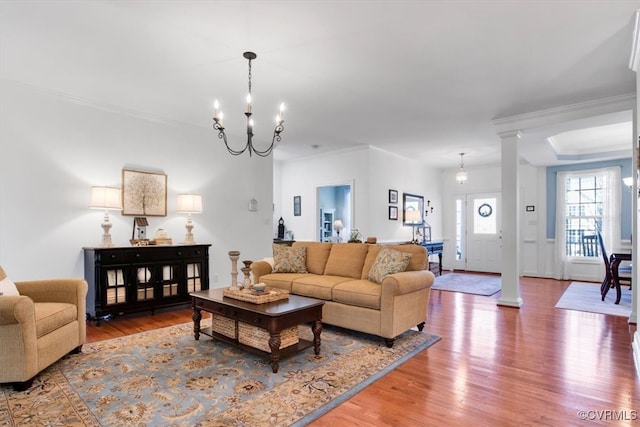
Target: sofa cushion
[
  {"x": 281, "y": 280},
  {"x": 387, "y": 262},
  {"x": 320, "y": 287},
  {"x": 346, "y": 259},
  {"x": 7, "y": 287},
  {"x": 317, "y": 255},
  {"x": 361, "y": 293},
  {"x": 289, "y": 260},
  {"x": 53, "y": 315}
]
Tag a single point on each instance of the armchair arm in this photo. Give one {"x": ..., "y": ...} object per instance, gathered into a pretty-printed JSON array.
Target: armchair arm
[{"x": 17, "y": 309}]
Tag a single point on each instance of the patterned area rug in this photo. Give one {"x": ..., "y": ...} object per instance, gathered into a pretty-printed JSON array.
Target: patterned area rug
[
  {"x": 165, "y": 377},
  {"x": 477, "y": 284},
  {"x": 582, "y": 296}
]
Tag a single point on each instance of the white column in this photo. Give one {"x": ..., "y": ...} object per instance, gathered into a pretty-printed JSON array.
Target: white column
[
  {"x": 510, "y": 221},
  {"x": 634, "y": 64}
]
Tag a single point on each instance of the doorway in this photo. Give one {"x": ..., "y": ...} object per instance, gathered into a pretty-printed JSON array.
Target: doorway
[
  {"x": 334, "y": 204},
  {"x": 479, "y": 232}
]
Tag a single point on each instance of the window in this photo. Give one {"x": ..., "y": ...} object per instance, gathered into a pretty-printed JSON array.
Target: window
[
  {"x": 585, "y": 198},
  {"x": 588, "y": 201},
  {"x": 459, "y": 219},
  {"x": 585, "y": 208}
]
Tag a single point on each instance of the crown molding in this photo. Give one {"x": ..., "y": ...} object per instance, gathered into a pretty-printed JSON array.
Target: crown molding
[
  {"x": 565, "y": 113},
  {"x": 110, "y": 108}
]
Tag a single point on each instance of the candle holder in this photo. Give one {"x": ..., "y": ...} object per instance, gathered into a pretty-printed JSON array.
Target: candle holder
[
  {"x": 247, "y": 273},
  {"x": 233, "y": 256},
  {"x": 247, "y": 278}
]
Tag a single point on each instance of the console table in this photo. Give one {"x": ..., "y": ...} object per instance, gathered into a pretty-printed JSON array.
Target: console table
[
  {"x": 128, "y": 279},
  {"x": 435, "y": 248}
]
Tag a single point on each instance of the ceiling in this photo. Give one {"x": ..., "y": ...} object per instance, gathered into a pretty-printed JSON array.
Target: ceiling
[{"x": 420, "y": 79}]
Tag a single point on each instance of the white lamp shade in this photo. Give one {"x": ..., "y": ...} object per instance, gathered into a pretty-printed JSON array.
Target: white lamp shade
[
  {"x": 189, "y": 203},
  {"x": 412, "y": 216},
  {"x": 337, "y": 224},
  {"x": 105, "y": 198},
  {"x": 628, "y": 181}
]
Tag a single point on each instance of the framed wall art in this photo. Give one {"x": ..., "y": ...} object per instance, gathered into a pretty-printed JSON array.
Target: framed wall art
[
  {"x": 297, "y": 206},
  {"x": 393, "y": 196},
  {"x": 144, "y": 193},
  {"x": 393, "y": 213}
]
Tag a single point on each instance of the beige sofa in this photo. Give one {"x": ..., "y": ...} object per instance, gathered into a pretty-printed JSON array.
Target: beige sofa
[
  {"x": 39, "y": 326},
  {"x": 338, "y": 274}
]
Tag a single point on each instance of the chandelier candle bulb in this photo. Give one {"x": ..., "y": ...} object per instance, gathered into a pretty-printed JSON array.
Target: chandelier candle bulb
[
  {"x": 216, "y": 110},
  {"x": 249, "y": 103}
]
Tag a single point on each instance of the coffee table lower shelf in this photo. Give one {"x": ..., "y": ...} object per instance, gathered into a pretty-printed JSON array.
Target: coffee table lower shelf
[{"x": 302, "y": 344}]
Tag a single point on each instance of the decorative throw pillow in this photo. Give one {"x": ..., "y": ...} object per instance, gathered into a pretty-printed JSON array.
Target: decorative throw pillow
[
  {"x": 387, "y": 262},
  {"x": 287, "y": 259},
  {"x": 7, "y": 287}
]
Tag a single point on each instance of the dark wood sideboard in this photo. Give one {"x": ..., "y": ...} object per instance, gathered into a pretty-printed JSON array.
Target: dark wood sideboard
[{"x": 129, "y": 279}]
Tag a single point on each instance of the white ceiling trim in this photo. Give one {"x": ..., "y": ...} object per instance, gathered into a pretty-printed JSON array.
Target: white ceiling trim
[
  {"x": 110, "y": 108},
  {"x": 566, "y": 113}
]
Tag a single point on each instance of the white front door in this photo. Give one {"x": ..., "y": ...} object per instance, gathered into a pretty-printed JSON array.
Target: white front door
[{"x": 484, "y": 228}]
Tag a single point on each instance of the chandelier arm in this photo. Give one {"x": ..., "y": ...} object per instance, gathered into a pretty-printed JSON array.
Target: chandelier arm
[
  {"x": 222, "y": 135},
  {"x": 276, "y": 138}
]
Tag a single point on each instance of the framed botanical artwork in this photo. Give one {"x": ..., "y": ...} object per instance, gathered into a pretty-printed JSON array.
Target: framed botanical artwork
[
  {"x": 393, "y": 196},
  {"x": 297, "y": 206},
  {"x": 144, "y": 193},
  {"x": 393, "y": 213}
]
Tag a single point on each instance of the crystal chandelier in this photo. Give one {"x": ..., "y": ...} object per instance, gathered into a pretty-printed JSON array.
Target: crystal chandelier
[
  {"x": 217, "y": 125},
  {"x": 461, "y": 176}
]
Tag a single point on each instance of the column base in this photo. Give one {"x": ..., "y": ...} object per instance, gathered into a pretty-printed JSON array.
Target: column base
[{"x": 510, "y": 302}]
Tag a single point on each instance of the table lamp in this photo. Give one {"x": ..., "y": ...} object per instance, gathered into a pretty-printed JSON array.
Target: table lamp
[
  {"x": 414, "y": 218},
  {"x": 189, "y": 203},
  {"x": 337, "y": 225},
  {"x": 106, "y": 198}
]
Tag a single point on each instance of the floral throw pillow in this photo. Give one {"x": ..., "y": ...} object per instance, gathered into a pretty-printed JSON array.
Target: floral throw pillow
[
  {"x": 387, "y": 262},
  {"x": 287, "y": 259}
]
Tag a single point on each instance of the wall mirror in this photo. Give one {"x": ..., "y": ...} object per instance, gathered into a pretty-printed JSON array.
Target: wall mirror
[{"x": 412, "y": 209}]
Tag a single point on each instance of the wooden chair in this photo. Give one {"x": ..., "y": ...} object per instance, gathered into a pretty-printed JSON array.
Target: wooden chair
[
  {"x": 590, "y": 245},
  {"x": 609, "y": 281}
]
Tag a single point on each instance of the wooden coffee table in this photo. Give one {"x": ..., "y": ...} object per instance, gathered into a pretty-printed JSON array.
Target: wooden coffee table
[{"x": 274, "y": 317}]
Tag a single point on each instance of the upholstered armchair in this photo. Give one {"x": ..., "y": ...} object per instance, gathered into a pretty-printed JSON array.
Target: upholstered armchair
[{"x": 46, "y": 321}]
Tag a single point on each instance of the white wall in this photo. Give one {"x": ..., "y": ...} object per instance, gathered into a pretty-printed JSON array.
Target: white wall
[
  {"x": 54, "y": 148},
  {"x": 372, "y": 173}
]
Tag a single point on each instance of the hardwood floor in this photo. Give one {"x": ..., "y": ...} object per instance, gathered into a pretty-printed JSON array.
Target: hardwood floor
[{"x": 495, "y": 366}]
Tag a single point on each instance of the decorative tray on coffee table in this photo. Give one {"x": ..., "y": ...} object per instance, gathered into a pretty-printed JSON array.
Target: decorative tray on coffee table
[{"x": 268, "y": 295}]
